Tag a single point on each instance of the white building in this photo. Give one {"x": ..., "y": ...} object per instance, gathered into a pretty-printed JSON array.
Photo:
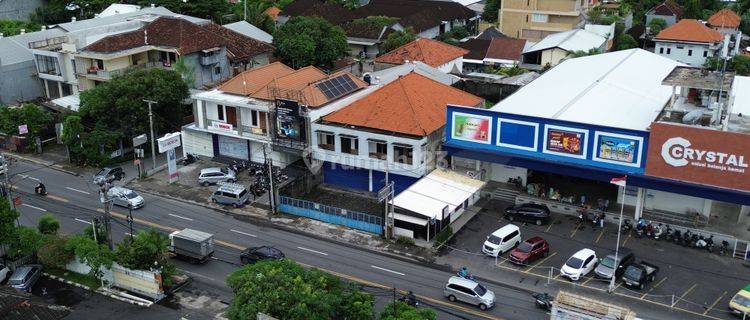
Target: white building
[{"x": 688, "y": 41}]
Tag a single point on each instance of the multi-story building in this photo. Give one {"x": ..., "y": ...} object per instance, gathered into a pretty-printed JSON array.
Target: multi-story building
[
  {"x": 688, "y": 41},
  {"x": 535, "y": 19}
]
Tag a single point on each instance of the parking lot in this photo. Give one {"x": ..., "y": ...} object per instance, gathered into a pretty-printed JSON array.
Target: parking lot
[{"x": 690, "y": 280}]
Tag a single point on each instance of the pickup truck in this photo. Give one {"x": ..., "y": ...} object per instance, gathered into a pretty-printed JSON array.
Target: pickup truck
[
  {"x": 638, "y": 274},
  {"x": 196, "y": 246}
]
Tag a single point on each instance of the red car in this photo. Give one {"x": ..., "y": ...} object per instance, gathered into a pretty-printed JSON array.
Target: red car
[{"x": 529, "y": 251}]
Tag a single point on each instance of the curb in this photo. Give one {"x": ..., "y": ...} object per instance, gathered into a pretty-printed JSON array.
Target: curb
[
  {"x": 67, "y": 281},
  {"x": 99, "y": 291},
  {"x": 119, "y": 298},
  {"x": 47, "y": 164}
]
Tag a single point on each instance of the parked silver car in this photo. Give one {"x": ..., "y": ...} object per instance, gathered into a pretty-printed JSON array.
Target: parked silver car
[
  {"x": 231, "y": 194},
  {"x": 25, "y": 277},
  {"x": 216, "y": 175},
  {"x": 125, "y": 197},
  {"x": 465, "y": 290}
]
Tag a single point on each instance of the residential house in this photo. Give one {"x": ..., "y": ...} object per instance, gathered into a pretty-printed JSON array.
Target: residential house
[
  {"x": 688, "y": 41},
  {"x": 489, "y": 34},
  {"x": 35, "y": 64},
  {"x": 440, "y": 55},
  {"x": 607, "y": 31},
  {"x": 535, "y": 19},
  {"x": 725, "y": 21},
  {"x": 502, "y": 52},
  {"x": 669, "y": 11},
  {"x": 268, "y": 106},
  {"x": 556, "y": 47},
  {"x": 365, "y": 25},
  {"x": 393, "y": 133},
  {"x": 248, "y": 30},
  {"x": 211, "y": 50}
]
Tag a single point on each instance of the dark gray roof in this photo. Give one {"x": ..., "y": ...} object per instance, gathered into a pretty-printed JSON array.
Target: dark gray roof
[{"x": 490, "y": 33}]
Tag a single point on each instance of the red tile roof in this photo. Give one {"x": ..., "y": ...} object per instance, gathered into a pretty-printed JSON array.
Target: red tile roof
[
  {"x": 413, "y": 105},
  {"x": 667, "y": 8},
  {"x": 432, "y": 52},
  {"x": 273, "y": 12},
  {"x": 239, "y": 46},
  {"x": 689, "y": 30},
  {"x": 506, "y": 49},
  {"x": 724, "y": 18}
]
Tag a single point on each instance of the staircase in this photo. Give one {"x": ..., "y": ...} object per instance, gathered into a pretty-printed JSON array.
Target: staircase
[
  {"x": 506, "y": 195},
  {"x": 740, "y": 250}
]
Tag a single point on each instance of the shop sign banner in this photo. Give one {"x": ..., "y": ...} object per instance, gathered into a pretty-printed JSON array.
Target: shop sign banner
[
  {"x": 562, "y": 141},
  {"x": 169, "y": 141},
  {"x": 221, "y": 126},
  {"x": 699, "y": 155},
  {"x": 617, "y": 149},
  {"x": 290, "y": 122},
  {"x": 471, "y": 127}
]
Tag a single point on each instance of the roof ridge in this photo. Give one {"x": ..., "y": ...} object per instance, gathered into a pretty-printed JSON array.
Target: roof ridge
[{"x": 409, "y": 102}]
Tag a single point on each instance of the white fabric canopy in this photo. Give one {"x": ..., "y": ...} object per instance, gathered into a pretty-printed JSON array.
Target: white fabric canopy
[{"x": 441, "y": 188}]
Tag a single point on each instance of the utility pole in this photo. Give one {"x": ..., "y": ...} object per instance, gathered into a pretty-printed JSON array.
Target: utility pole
[
  {"x": 244, "y": 2},
  {"x": 130, "y": 220},
  {"x": 151, "y": 124},
  {"x": 107, "y": 202},
  {"x": 271, "y": 193}
]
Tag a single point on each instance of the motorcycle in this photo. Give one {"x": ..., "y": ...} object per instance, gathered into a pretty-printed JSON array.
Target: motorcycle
[
  {"x": 724, "y": 247},
  {"x": 693, "y": 242},
  {"x": 626, "y": 225},
  {"x": 189, "y": 158},
  {"x": 700, "y": 242},
  {"x": 649, "y": 230},
  {"x": 669, "y": 234},
  {"x": 410, "y": 299},
  {"x": 685, "y": 241},
  {"x": 657, "y": 232},
  {"x": 40, "y": 190},
  {"x": 543, "y": 300},
  {"x": 677, "y": 236},
  {"x": 464, "y": 273},
  {"x": 710, "y": 243}
]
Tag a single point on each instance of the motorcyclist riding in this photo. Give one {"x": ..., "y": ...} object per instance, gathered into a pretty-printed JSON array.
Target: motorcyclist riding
[{"x": 40, "y": 189}]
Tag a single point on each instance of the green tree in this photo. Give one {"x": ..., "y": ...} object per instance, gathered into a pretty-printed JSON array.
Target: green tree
[
  {"x": 349, "y": 4},
  {"x": 401, "y": 311},
  {"x": 101, "y": 234},
  {"x": 28, "y": 241},
  {"x": 739, "y": 64},
  {"x": 146, "y": 248},
  {"x": 491, "y": 9},
  {"x": 186, "y": 70},
  {"x": 205, "y": 9},
  {"x": 625, "y": 41},
  {"x": 581, "y": 53},
  {"x": 36, "y": 119},
  {"x": 286, "y": 290},
  {"x": 91, "y": 253},
  {"x": 8, "y": 220},
  {"x": 256, "y": 14},
  {"x": 48, "y": 224},
  {"x": 657, "y": 25},
  {"x": 71, "y": 137},
  {"x": 745, "y": 22},
  {"x": 304, "y": 41},
  {"x": 454, "y": 36},
  {"x": 13, "y": 27},
  {"x": 692, "y": 9},
  {"x": 53, "y": 252},
  {"x": 58, "y": 11},
  {"x": 397, "y": 39}
]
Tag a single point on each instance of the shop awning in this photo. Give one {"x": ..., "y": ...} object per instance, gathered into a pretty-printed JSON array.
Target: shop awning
[
  {"x": 410, "y": 219},
  {"x": 440, "y": 190}
]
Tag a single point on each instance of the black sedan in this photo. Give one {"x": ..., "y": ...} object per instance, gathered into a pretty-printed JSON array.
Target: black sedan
[
  {"x": 529, "y": 212},
  {"x": 256, "y": 254}
]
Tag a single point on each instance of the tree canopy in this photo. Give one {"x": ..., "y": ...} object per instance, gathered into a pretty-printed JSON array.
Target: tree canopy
[
  {"x": 397, "y": 39},
  {"x": 625, "y": 41},
  {"x": 285, "y": 290},
  {"x": 491, "y": 10},
  {"x": 13, "y": 27},
  {"x": 399, "y": 310},
  {"x": 304, "y": 41},
  {"x": 657, "y": 25},
  {"x": 36, "y": 119},
  {"x": 48, "y": 224}
]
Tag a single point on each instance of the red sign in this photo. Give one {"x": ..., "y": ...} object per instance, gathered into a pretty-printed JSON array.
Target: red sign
[
  {"x": 699, "y": 155},
  {"x": 17, "y": 201},
  {"x": 564, "y": 141}
]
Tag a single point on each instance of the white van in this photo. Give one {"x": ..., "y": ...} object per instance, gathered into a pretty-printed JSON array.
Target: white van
[{"x": 502, "y": 240}]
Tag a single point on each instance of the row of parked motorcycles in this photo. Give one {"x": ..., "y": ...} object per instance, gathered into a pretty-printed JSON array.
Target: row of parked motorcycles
[{"x": 685, "y": 238}]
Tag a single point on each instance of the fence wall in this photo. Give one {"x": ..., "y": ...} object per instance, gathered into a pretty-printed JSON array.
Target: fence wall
[{"x": 334, "y": 215}]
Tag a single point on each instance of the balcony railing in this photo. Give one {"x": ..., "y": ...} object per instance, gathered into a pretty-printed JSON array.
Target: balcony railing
[
  {"x": 108, "y": 74},
  {"x": 209, "y": 60}
]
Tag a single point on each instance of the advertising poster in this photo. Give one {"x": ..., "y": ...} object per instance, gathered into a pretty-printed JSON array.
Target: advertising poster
[
  {"x": 290, "y": 124},
  {"x": 471, "y": 127},
  {"x": 617, "y": 149},
  {"x": 565, "y": 141},
  {"x": 172, "y": 166}
]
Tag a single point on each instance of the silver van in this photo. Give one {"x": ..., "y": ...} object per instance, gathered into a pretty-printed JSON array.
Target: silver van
[
  {"x": 468, "y": 291},
  {"x": 125, "y": 197},
  {"x": 25, "y": 277},
  {"x": 216, "y": 175},
  {"x": 231, "y": 194}
]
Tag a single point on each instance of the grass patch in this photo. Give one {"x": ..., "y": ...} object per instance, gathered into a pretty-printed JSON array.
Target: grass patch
[{"x": 83, "y": 279}]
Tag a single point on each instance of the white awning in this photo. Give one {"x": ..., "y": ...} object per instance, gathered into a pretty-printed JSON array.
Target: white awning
[
  {"x": 433, "y": 193},
  {"x": 410, "y": 219},
  {"x": 71, "y": 102}
]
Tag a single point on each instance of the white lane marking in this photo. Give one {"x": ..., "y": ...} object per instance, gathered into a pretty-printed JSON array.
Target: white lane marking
[
  {"x": 181, "y": 217},
  {"x": 28, "y": 177},
  {"x": 84, "y": 221},
  {"x": 77, "y": 190},
  {"x": 313, "y": 251},
  {"x": 34, "y": 207},
  {"x": 196, "y": 274},
  {"x": 388, "y": 270},
  {"x": 244, "y": 233}
]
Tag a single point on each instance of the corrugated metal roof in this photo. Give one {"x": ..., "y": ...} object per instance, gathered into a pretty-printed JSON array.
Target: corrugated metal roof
[
  {"x": 571, "y": 40},
  {"x": 246, "y": 29},
  {"x": 435, "y": 191},
  {"x": 15, "y": 49}
]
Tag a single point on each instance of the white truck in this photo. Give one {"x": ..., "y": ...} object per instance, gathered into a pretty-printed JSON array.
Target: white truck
[{"x": 193, "y": 245}]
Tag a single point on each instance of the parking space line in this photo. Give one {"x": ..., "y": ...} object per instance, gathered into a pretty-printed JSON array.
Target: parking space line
[
  {"x": 626, "y": 240},
  {"x": 684, "y": 294},
  {"x": 653, "y": 287},
  {"x": 715, "y": 302},
  {"x": 540, "y": 262},
  {"x": 550, "y": 225},
  {"x": 573, "y": 233},
  {"x": 600, "y": 235},
  {"x": 587, "y": 281}
]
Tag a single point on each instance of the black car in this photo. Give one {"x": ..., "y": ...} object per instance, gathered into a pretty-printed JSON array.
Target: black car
[
  {"x": 256, "y": 254},
  {"x": 108, "y": 174},
  {"x": 535, "y": 213}
]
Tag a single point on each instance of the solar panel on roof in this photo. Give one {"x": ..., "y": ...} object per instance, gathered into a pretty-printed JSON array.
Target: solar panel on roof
[{"x": 336, "y": 87}]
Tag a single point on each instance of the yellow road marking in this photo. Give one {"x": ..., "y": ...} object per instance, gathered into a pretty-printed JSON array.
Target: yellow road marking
[
  {"x": 626, "y": 240},
  {"x": 654, "y": 287},
  {"x": 550, "y": 225},
  {"x": 600, "y": 235},
  {"x": 540, "y": 262},
  {"x": 715, "y": 302},
  {"x": 587, "y": 281},
  {"x": 573, "y": 234},
  {"x": 686, "y": 293},
  {"x": 54, "y": 197}
]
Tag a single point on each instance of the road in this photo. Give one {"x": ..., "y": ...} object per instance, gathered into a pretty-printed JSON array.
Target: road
[{"x": 74, "y": 201}]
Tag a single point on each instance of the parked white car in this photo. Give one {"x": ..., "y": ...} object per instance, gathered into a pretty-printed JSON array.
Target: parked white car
[
  {"x": 579, "y": 265},
  {"x": 502, "y": 240},
  {"x": 4, "y": 272},
  {"x": 125, "y": 197}
]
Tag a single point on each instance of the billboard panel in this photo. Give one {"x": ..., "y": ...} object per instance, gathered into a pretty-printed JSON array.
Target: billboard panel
[
  {"x": 564, "y": 141},
  {"x": 471, "y": 127},
  {"x": 290, "y": 120},
  {"x": 699, "y": 155}
]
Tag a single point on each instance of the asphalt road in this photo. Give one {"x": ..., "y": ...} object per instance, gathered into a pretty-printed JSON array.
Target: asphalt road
[{"x": 75, "y": 202}]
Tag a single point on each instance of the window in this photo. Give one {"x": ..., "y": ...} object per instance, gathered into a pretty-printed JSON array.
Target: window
[
  {"x": 539, "y": 17},
  {"x": 326, "y": 141},
  {"x": 254, "y": 118},
  {"x": 690, "y": 52},
  {"x": 669, "y": 50},
  {"x": 349, "y": 144},
  {"x": 220, "y": 112},
  {"x": 705, "y": 53},
  {"x": 99, "y": 64},
  {"x": 680, "y": 47},
  {"x": 661, "y": 50},
  {"x": 378, "y": 149},
  {"x": 402, "y": 154},
  {"x": 527, "y": 18},
  {"x": 47, "y": 65},
  {"x": 217, "y": 70}
]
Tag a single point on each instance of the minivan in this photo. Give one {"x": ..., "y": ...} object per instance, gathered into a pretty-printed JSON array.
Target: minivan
[
  {"x": 216, "y": 175},
  {"x": 25, "y": 277},
  {"x": 231, "y": 194},
  {"x": 468, "y": 291},
  {"x": 625, "y": 257},
  {"x": 502, "y": 240}
]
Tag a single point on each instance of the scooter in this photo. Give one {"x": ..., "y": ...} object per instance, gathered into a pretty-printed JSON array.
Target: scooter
[
  {"x": 649, "y": 230},
  {"x": 685, "y": 240},
  {"x": 410, "y": 299},
  {"x": 464, "y": 273},
  {"x": 657, "y": 232},
  {"x": 40, "y": 190},
  {"x": 189, "y": 158},
  {"x": 626, "y": 225},
  {"x": 543, "y": 300},
  {"x": 677, "y": 236},
  {"x": 693, "y": 242},
  {"x": 710, "y": 243},
  {"x": 724, "y": 247},
  {"x": 700, "y": 243},
  {"x": 670, "y": 234}
]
